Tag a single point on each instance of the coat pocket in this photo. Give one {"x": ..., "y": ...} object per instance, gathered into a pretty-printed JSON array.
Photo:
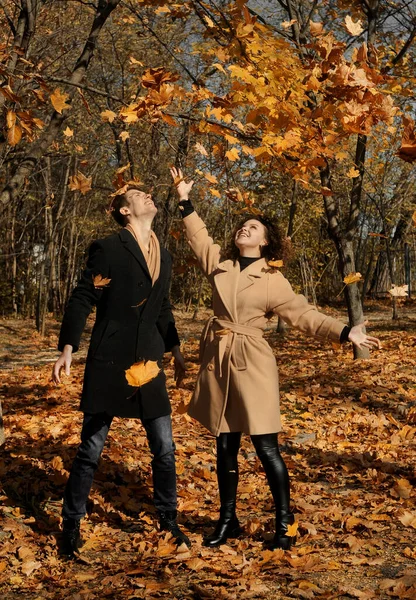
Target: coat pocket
[{"x": 103, "y": 332}]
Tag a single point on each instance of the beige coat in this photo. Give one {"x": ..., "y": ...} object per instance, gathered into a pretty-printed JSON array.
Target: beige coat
[{"x": 237, "y": 387}]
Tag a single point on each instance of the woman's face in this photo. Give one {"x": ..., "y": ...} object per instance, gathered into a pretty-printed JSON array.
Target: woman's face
[{"x": 250, "y": 238}]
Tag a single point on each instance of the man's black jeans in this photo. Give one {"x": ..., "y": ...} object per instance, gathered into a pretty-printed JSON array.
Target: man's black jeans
[{"x": 93, "y": 435}]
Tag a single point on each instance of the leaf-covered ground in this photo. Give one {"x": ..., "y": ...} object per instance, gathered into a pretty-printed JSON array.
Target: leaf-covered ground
[{"x": 348, "y": 441}]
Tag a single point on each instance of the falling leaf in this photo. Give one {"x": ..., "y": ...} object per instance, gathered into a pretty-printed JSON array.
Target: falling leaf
[
  {"x": 354, "y": 28},
  {"x": 58, "y": 100},
  {"x": 80, "y": 182},
  {"x": 100, "y": 281},
  {"x": 352, "y": 278},
  {"x": 287, "y": 24},
  {"x": 215, "y": 192},
  {"x": 68, "y": 132},
  {"x": 162, "y": 9},
  {"x": 108, "y": 116},
  {"x": 353, "y": 172},
  {"x": 399, "y": 291},
  {"x": 275, "y": 263},
  {"x": 210, "y": 178},
  {"x": 124, "y": 135},
  {"x": 233, "y": 154},
  {"x": 134, "y": 61},
  {"x": 200, "y": 148},
  {"x": 142, "y": 372}
]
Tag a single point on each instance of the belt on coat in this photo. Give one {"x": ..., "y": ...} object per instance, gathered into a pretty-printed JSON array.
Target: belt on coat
[{"x": 227, "y": 333}]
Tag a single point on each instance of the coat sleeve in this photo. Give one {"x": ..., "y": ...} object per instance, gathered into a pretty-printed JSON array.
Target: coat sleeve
[
  {"x": 295, "y": 310},
  {"x": 207, "y": 253},
  {"x": 166, "y": 321},
  {"x": 83, "y": 298}
]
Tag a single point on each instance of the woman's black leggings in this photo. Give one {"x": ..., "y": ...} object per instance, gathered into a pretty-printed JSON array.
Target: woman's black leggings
[{"x": 267, "y": 449}]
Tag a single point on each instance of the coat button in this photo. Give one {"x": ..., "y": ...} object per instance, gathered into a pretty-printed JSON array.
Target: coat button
[
  {"x": 140, "y": 283},
  {"x": 210, "y": 367}
]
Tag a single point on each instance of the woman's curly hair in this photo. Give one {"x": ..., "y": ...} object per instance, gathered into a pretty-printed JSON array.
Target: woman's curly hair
[{"x": 277, "y": 248}]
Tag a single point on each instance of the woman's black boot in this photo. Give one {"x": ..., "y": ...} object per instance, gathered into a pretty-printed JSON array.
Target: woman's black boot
[
  {"x": 227, "y": 473},
  {"x": 227, "y": 527},
  {"x": 281, "y": 539}
]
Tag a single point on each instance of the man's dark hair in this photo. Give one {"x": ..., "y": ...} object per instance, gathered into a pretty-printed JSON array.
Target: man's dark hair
[{"x": 119, "y": 201}]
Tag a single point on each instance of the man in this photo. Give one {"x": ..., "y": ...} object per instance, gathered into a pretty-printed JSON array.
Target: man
[{"x": 127, "y": 277}]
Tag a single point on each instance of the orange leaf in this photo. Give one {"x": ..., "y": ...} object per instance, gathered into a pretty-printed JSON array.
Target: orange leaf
[
  {"x": 68, "y": 132},
  {"x": 124, "y": 135},
  {"x": 275, "y": 263},
  {"x": 142, "y": 372},
  {"x": 80, "y": 183},
  {"x": 292, "y": 529},
  {"x": 233, "y": 154},
  {"x": 352, "y": 278},
  {"x": 58, "y": 100},
  {"x": 14, "y": 131},
  {"x": 210, "y": 178},
  {"x": 100, "y": 281}
]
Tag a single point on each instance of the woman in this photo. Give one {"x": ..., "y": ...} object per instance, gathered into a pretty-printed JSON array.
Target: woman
[{"x": 237, "y": 387}]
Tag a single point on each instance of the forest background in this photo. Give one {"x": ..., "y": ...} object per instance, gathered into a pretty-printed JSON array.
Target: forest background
[{"x": 301, "y": 108}]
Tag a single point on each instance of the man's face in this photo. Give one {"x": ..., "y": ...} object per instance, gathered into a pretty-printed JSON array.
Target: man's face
[{"x": 139, "y": 204}]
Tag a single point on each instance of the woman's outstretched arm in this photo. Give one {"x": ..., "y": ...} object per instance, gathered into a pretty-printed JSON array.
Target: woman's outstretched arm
[{"x": 206, "y": 251}]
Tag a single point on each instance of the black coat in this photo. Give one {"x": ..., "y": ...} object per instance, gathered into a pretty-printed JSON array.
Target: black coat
[{"x": 134, "y": 322}]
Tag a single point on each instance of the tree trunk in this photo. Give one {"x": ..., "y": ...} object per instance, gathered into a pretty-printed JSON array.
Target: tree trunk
[
  {"x": 2, "y": 438},
  {"x": 25, "y": 168}
]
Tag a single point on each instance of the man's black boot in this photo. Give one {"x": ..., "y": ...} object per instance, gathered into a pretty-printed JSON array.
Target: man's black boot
[
  {"x": 167, "y": 521},
  {"x": 281, "y": 539},
  {"x": 227, "y": 527},
  {"x": 71, "y": 538}
]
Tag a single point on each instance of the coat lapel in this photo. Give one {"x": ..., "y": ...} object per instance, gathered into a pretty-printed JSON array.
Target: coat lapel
[
  {"x": 251, "y": 274},
  {"x": 226, "y": 281},
  {"x": 133, "y": 247}
]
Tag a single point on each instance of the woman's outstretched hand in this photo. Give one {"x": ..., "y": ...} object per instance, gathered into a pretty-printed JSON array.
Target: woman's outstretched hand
[
  {"x": 361, "y": 339},
  {"x": 182, "y": 187}
]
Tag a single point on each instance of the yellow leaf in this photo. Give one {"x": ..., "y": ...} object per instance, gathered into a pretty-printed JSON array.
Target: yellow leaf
[
  {"x": 233, "y": 154},
  {"x": 108, "y": 116},
  {"x": 219, "y": 67},
  {"x": 399, "y": 291},
  {"x": 134, "y": 61},
  {"x": 129, "y": 114},
  {"x": 292, "y": 529},
  {"x": 275, "y": 263},
  {"x": 408, "y": 519},
  {"x": 58, "y": 100},
  {"x": 122, "y": 169},
  {"x": 80, "y": 183},
  {"x": 200, "y": 148},
  {"x": 68, "y": 132},
  {"x": 353, "y": 172},
  {"x": 287, "y": 24},
  {"x": 100, "y": 281},
  {"x": 124, "y": 135},
  {"x": 354, "y": 28},
  {"x": 142, "y": 372},
  {"x": 162, "y": 9},
  {"x": 210, "y": 178},
  {"x": 215, "y": 192},
  {"x": 352, "y": 278}
]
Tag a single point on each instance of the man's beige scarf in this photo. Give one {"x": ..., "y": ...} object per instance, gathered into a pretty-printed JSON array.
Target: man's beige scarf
[{"x": 153, "y": 256}]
